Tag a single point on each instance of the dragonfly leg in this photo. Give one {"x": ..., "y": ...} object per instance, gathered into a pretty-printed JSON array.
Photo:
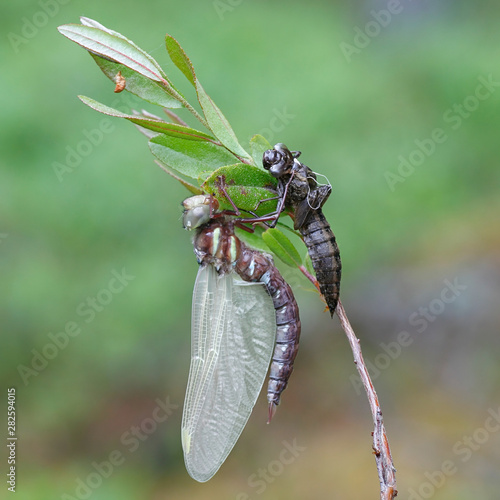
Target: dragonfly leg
[
  {"x": 270, "y": 219},
  {"x": 237, "y": 222},
  {"x": 236, "y": 211},
  {"x": 222, "y": 187},
  {"x": 274, "y": 216},
  {"x": 266, "y": 199},
  {"x": 241, "y": 225}
]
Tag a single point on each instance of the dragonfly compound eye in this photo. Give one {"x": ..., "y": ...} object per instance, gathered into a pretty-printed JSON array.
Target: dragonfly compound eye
[{"x": 196, "y": 217}]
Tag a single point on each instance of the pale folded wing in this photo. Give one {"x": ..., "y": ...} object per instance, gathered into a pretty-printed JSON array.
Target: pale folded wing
[{"x": 232, "y": 339}]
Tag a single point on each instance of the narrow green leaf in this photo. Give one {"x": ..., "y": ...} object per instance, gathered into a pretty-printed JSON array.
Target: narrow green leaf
[
  {"x": 114, "y": 47},
  {"x": 218, "y": 123},
  {"x": 102, "y": 108},
  {"x": 258, "y": 145},
  {"x": 282, "y": 247},
  {"x": 171, "y": 129},
  {"x": 215, "y": 120},
  {"x": 86, "y": 21},
  {"x": 158, "y": 126},
  {"x": 308, "y": 264},
  {"x": 137, "y": 84},
  {"x": 180, "y": 58},
  {"x": 189, "y": 157},
  {"x": 245, "y": 184}
]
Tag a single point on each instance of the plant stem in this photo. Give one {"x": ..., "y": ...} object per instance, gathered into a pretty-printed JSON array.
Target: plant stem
[
  {"x": 381, "y": 449},
  {"x": 383, "y": 458}
]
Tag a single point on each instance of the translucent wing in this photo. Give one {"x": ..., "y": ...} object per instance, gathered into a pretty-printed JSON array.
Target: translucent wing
[{"x": 232, "y": 338}]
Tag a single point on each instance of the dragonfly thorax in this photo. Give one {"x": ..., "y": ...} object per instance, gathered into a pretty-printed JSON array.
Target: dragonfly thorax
[{"x": 217, "y": 245}]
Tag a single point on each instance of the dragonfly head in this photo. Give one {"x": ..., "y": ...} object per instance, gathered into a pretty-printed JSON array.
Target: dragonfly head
[
  {"x": 198, "y": 210},
  {"x": 279, "y": 160}
]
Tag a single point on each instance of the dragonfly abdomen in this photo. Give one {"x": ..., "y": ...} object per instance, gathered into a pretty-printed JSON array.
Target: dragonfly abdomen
[
  {"x": 251, "y": 266},
  {"x": 287, "y": 336},
  {"x": 325, "y": 256}
]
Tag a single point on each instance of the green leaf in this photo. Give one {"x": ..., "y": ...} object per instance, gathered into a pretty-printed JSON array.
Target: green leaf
[
  {"x": 245, "y": 184},
  {"x": 114, "y": 47},
  {"x": 137, "y": 84},
  {"x": 102, "y": 108},
  {"x": 90, "y": 22},
  {"x": 86, "y": 21},
  {"x": 171, "y": 129},
  {"x": 158, "y": 126},
  {"x": 187, "y": 156},
  {"x": 180, "y": 58},
  {"x": 308, "y": 264},
  {"x": 218, "y": 123},
  {"x": 258, "y": 146},
  {"x": 282, "y": 247}
]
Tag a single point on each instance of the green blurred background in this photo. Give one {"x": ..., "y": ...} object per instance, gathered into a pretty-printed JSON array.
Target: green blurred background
[{"x": 300, "y": 73}]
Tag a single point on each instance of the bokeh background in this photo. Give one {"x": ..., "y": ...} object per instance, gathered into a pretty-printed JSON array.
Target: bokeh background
[{"x": 360, "y": 92}]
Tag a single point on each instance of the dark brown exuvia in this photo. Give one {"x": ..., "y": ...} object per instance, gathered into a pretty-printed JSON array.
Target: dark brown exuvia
[
  {"x": 299, "y": 190},
  {"x": 216, "y": 244}
]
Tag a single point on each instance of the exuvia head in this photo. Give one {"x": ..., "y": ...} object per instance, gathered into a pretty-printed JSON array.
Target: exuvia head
[
  {"x": 279, "y": 160},
  {"x": 198, "y": 210}
]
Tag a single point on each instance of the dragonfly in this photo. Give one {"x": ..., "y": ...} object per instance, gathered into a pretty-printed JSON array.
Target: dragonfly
[
  {"x": 299, "y": 190},
  {"x": 244, "y": 317}
]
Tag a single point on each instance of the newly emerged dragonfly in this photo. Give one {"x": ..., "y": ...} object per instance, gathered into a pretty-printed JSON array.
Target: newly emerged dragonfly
[
  {"x": 299, "y": 190},
  {"x": 236, "y": 326}
]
